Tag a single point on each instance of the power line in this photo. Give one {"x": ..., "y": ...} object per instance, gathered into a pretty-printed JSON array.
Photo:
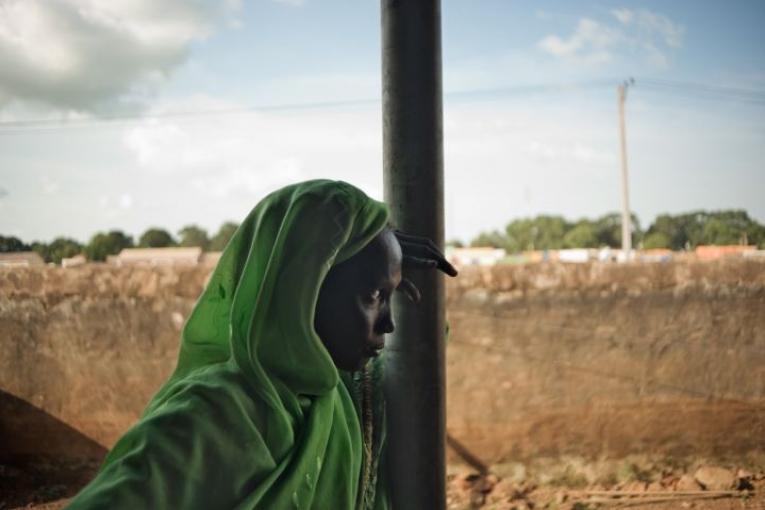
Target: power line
[
  {"x": 705, "y": 91},
  {"x": 701, "y": 90},
  {"x": 46, "y": 124}
]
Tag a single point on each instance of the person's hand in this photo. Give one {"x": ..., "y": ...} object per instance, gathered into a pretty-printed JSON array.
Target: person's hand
[{"x": 419, "y": 253}]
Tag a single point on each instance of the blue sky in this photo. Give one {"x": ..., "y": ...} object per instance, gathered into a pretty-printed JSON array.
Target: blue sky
[{"x": 530, "y": 108}]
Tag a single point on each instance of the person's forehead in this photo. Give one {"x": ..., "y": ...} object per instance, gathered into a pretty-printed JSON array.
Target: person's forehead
[{"x": 381, "y": 259}]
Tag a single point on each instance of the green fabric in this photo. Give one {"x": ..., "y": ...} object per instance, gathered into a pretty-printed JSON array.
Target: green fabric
[{"x": 256, "y": 415}]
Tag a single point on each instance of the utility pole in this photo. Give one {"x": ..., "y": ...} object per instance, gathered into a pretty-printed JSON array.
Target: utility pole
[
  {"x": 415, "y": 387},
  {"x": 621, "y": 91}
]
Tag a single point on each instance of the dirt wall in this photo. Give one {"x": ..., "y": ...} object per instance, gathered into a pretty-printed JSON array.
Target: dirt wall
[{"x": 593, "y": 360}]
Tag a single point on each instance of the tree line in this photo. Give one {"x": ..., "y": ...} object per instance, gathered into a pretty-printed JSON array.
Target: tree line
[
  {"x": 103, "y": 244},
  {"x": 544, "y": 232},
  {"x": 676, "y": 232}
]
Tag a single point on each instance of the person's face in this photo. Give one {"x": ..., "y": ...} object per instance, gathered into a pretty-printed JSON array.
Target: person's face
[{"x": 353, "y": 312}]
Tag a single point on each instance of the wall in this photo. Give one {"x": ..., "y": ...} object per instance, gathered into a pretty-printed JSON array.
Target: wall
[{"x": 546, "y": 359}]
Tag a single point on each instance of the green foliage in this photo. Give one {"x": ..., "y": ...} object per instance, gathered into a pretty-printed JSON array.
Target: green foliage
[
  {"x": 495, "y": 238},
  {"x": 192, "y": 235},
  {"x": 547, "y": 232},
  {"x": 656, "y": 240},
  {"x": 156, "y": 238},
  {"x": 101, "y": 245},
  {"x": 583, "y": 235},
  {"x": 682, "y": 231},
  {"x": 541, "y": 233},
  {"x": 59, "y": 248},
  {"x": 11, "y": 243},
  {"x": 225, "y": 232},
  {"x": 688, "y": 230},
  {"x": 609, "y": 230}
]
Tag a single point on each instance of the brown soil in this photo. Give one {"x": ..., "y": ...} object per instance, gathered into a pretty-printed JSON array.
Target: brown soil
[{"x": 48, "y": 484}]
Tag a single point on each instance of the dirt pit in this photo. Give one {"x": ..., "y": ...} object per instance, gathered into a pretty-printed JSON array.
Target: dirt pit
[{"x": 555, "y": 484}]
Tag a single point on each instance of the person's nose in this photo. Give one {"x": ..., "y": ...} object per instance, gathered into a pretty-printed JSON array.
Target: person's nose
[{"x": 386, "y": 324}]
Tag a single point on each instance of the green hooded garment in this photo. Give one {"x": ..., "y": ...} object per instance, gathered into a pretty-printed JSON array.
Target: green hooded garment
[{"x": 256, "y": 415}]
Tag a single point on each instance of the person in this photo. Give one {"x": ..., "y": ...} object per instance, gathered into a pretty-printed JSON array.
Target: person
[{"x": 275, "y": 401}]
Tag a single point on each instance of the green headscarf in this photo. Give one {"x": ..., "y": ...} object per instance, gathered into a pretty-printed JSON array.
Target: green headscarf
[{"x": 256, "y": 414}]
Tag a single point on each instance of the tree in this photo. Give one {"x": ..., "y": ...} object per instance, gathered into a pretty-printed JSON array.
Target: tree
[
  {"x": 225, "y": 233},
  {"x": 11, "y": 243},
  {"x": 192, "y": 235},
  {"x": 656, "y": 240},
  {"x": 495, "y": 239},
  {"x": 101, "y": 245},
  {"x": 544, "y": 232},
  {"x": 156, "y": 238},
  {"x": 695, "y": 228},
  {"x": 59, "y": 248},
  {"x": 455, "y": 243},
  {"x": 608, "y": 229},
  {"x": 582, "y": 235}
]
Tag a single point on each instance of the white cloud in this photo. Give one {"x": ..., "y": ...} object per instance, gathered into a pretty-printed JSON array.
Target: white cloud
[
  {"x": 244, "y": 155},
  {"x": 591, "y": 41},
  {"x": 126, "y": 201},
  {"x": 80, "y": 54},
  {"x": 648, "y": 33},
  {"x": 293, "y": 3},
  {"x": 625, "y": 16},
  {"x": 650, "y": 24}
]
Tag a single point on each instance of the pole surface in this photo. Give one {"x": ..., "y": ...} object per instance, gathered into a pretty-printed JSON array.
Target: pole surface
[
  {"x": 413, "y": 184},
  {"x": 626, "y": 218}
]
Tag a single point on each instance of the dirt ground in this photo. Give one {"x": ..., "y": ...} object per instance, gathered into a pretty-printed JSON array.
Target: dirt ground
[{"x": 554, "y": 484}]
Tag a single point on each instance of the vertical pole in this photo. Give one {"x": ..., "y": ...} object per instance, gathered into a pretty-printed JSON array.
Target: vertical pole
[
  {"x": 413, "y": 184},
  {"x": 626, "y": 218}
]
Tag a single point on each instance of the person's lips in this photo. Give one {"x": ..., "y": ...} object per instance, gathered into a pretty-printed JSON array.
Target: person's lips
[{"x": 374, "y": 350}]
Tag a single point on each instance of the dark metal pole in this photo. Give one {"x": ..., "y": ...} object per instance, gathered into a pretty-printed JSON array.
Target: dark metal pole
[{"x": 414, "y": 185}]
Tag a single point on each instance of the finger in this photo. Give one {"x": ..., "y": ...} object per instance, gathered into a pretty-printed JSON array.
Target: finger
[
  {"x": 430, "y": 254},
  {"x": 410, "y": 289},
  {"x": 419, "y": 262},
  {"x": 425, "y": 248},
  {"x": 416, "y": 240}
]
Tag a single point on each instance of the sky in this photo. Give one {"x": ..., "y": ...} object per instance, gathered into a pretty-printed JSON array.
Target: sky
[{"x": 132, "y": 114}]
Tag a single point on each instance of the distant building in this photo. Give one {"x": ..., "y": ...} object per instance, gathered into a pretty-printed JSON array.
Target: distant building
[
  {"x": 655, "y": 255},
  {"x": 718, "y": 252},
  {"x": 477, "y": 256},
  {"x": 77, "y": 260},
  {"x": 576, "y": 255},
  {"x": 157, "y": 257},
  {"x": 21, "y": 259}
]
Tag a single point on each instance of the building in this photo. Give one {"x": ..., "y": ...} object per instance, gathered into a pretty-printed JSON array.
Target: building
[
  {"x": 21, "y": 259},
  {"x": 478, "y": 256},
  {"x": 157, "y": 257},
  {"x": 75, "y": 261},
  {"x": 718, "y": 252}
]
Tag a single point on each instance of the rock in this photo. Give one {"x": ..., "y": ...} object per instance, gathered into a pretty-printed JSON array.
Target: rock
[
  {"x": 654, "y": 487},
  {"x": 744, "y": 480},
  {"x": 501, "y": 493},
  {"x": 715, "y": 478},
  {"x": 687, "y": 483},
  {"x": 634, "y": 486}
]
